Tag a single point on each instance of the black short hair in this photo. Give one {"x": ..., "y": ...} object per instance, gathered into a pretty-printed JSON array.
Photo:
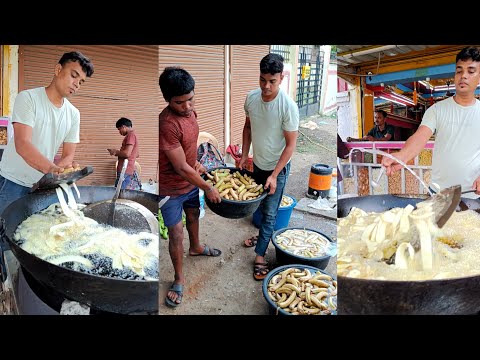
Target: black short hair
[
  {"x": 84, "y": 61},
  {"x": 175, "y": 81},
  {"x": 271, "y": 64},
  {"x": 383, "y": 112},
  {"x": 469, "y": 52},
  {"x": 123, "y": 121}
]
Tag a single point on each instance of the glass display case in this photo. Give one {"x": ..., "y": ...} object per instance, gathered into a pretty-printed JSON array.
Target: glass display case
[
  {"x": 5, "y": 133},
  {"x": 364, "y": 165}
]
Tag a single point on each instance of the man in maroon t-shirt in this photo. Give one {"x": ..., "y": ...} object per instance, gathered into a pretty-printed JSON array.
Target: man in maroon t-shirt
[
  {"x": 129, "y": 150},
  {"x": 180, "y": 173}
]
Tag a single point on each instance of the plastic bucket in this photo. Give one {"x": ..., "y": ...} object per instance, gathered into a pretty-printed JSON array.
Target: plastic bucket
[
  {"x": 320, "y": 181},
  {"x": 283, "y": 215},
  {"x": 273, "y": 309},
  {"x": 201, "y": 197},
  {"x": 285, "y": 257}
]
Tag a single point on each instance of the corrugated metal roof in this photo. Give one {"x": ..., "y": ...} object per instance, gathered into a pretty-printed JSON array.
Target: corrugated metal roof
[{"x": 356, "y": 55}]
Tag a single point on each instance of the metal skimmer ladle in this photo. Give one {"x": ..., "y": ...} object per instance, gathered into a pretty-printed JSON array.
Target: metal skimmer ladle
[
  {"x": 123, "y": 213},
  {"x": 445, "y": 202},
  {"x": 111, "y": 212}
]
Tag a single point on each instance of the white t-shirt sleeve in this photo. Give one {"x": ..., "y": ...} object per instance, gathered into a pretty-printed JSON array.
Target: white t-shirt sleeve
[
  {"x": 73, "y": 135},
  {"x": 291, "y": 117},
  {"x": 24, "y": 109},
  {"x": 430, "y": 118},
  {"x": 245, "y": 106}
]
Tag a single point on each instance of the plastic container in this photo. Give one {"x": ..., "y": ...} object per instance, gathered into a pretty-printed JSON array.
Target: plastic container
[
  {"x": 233, "y": 209},
  {"x": 6, "y": 131},
  {"x": 201, "y": 197},
  {"x": 3, "y": 135},
  {"x": 320, "y": 181},
  {"x": 273, "y": 309},
  {"x": 283, "y": 215},
  {"x": 285, "y": 257}
]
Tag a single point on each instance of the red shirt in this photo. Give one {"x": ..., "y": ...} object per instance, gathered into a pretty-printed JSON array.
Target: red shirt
[
  {"x": 176, "y": 131},
  {"x": 130, "y": 139}
]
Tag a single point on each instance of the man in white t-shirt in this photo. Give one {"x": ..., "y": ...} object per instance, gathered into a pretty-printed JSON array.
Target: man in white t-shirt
[
  {"x": 456, "y": 123},
  {"x": 43, "y": 120},
  {"x": 271, "y": 125}
]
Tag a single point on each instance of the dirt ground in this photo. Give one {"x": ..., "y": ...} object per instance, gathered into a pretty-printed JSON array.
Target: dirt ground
[{"x": 225, "y": 285}]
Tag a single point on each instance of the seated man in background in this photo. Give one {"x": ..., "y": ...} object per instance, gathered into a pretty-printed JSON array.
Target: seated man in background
[{"x": 380, "y": 132}]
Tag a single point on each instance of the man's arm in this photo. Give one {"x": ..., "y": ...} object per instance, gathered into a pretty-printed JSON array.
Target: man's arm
[
  {"x": 246, "y": 142},
  {"x": 28, "y": 151},
  {"x": 291, "y": 143},
  {"x": 350, "y": 139},
  {"x": 199, "y": 168},
  {"x": 387, "y": 137},
  {"x": 122, "y": 153},
  {"x": 476, "y": 185},
  {"x": 125, "y": 152},
  {"x": 412, "y": 148},
  {"x": 68, "y": 153},
  {"x": 179, "y": 163}
]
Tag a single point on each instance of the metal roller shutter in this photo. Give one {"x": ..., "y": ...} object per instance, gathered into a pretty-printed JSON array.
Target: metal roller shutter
[
  {"x": 245, "y": 70},
  {"x": 125, "y": 83},
  {"x": 206, "y": 64}
]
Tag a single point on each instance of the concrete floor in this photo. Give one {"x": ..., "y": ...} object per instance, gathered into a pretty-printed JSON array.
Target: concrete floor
[{"x": 225, "y": 284}]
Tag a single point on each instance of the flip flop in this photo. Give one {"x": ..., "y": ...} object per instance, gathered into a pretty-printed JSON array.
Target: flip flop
[
  {"x": 208, "y": 251},
  {"x": 251, "y": 242},
  {"x": 260, "y": 270},
  {"x": 178, "y": 288}
]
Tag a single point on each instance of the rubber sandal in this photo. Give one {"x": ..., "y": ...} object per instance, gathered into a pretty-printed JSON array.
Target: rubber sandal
[
  {"x": 260, "y": 270},
  {"x": 178, "y": 288},
  {"x": 251, "y": 242},
  {"x": 208, "y": 251}
]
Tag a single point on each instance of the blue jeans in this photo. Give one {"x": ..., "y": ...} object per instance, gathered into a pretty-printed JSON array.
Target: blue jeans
[
  {"x": 269, "y": 206},
  {"x": 9, "y": 192},
  {"x": 126, "y": 181}
]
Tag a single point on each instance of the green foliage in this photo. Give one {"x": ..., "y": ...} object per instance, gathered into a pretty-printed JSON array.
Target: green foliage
[
  {"x": 163, "y": 229},
  {"x": 161, "y": 226}
]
